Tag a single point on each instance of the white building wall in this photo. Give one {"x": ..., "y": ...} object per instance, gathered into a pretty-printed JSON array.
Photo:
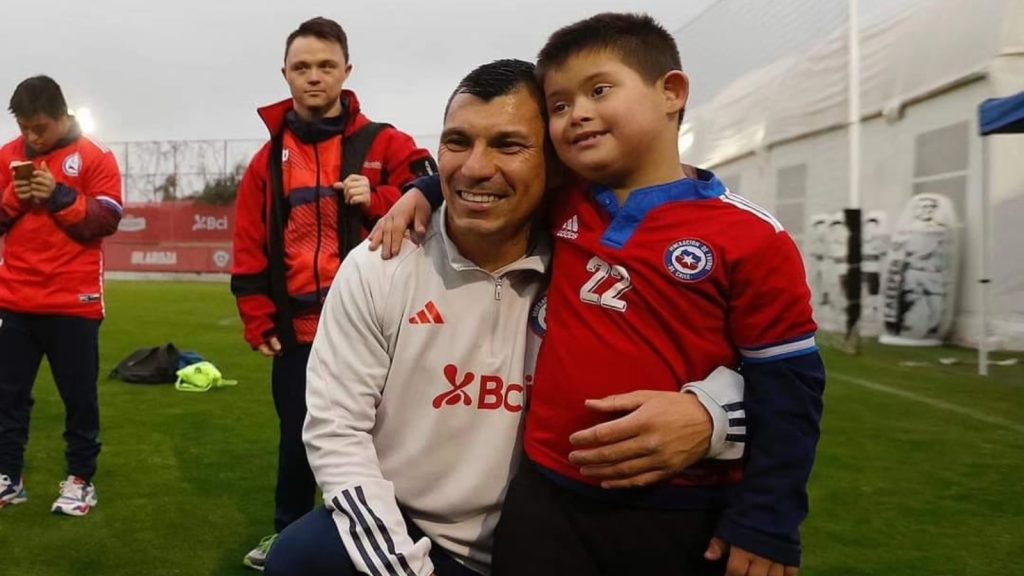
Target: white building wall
[{"x": 887, "y": 180}]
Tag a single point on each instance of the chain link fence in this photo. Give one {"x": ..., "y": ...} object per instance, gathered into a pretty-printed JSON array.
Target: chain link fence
[{"x": 170, "y": 170}]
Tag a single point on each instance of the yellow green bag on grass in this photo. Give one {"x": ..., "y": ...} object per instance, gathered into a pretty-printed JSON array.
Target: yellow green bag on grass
[{"x": 200, "y": 377}]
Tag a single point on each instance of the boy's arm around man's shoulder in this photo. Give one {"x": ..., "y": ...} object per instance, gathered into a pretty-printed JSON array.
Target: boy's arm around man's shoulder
[{"x": 402, "y": 162}]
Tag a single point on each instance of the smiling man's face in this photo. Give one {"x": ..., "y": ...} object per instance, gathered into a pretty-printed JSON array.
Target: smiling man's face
[{"x": 492, "y": 163}]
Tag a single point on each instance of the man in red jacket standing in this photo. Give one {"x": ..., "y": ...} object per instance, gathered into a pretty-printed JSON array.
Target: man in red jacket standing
[
  {"x": 61, "y": 194},
  {"x": 308, "y": 197}
]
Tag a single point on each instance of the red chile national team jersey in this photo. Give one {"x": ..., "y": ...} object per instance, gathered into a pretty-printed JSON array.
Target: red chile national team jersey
[{"x": 683, "y": 278}]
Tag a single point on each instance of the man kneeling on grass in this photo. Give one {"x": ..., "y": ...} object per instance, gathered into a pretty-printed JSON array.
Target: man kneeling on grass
[{"x": 421, "y": 368}]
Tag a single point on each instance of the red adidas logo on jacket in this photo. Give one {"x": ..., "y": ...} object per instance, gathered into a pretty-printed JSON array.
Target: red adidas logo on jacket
[{"x": 429, "y": 314}]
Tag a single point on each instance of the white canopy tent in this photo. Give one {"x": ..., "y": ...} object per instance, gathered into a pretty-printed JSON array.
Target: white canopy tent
[{"x": 923, "y": 72}]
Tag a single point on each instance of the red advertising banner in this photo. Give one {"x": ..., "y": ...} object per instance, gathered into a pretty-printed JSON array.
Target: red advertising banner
[
  {"x": 172, "y": 237},
  {"x": 166, "y": 257},
  {"x": 174, "y": 222}
]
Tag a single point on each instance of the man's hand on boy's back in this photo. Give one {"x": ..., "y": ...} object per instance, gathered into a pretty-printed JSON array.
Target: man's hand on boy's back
[
  {"x": 743, "y": 563},
  {"x": 412, "y": 213},
  {"x": 661, "y": 434}
]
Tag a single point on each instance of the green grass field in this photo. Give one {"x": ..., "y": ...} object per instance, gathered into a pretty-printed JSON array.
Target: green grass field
[{"x": 920, "y": 469}]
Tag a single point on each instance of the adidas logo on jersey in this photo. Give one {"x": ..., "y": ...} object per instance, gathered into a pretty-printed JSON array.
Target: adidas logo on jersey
[
  {"x": 571, "y": 229},
  {"x": 429, "y": 314}
]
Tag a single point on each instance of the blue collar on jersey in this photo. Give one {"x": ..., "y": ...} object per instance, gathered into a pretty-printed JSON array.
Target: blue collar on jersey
[{"x": 626, "y": 219}]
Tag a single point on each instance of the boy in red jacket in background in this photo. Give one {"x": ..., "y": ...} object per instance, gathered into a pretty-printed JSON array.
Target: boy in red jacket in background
[
  {"x": 309, "y": 196},
  {"x": 53, "y": 217}
]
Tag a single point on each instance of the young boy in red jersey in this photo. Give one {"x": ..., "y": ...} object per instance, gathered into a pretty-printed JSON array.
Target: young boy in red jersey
[{"x": 660, "y": 275}]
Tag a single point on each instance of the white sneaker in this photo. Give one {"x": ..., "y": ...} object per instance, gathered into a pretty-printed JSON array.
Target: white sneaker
[
  {"x": 77, "y": 497},
  {"x": 11, "y": 493}
]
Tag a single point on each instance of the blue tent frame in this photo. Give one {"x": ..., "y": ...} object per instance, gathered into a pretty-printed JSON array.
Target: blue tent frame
[{"x": 995, "y": 116}]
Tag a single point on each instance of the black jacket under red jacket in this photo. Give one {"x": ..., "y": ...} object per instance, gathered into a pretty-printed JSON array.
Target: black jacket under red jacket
[{"x": 313, "y": 212}]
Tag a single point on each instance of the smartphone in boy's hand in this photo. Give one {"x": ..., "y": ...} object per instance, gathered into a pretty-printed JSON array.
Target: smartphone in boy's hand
[{"x": 23, "y": 171}]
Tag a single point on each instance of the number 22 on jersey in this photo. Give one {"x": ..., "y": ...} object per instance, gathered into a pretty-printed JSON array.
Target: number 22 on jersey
[{"x": 611, "y": 296}]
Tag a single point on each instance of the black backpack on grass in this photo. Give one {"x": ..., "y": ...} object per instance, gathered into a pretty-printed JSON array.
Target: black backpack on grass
[{"x": 157, "y": 365}]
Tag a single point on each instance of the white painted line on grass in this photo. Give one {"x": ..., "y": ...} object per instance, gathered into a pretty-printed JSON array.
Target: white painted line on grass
[{"x": 930, "y": 401}]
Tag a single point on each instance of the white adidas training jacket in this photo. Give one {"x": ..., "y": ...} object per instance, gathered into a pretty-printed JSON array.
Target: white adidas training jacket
[
  {"x": 416, "y": 388},
  {"x": 415, "y": 391}
]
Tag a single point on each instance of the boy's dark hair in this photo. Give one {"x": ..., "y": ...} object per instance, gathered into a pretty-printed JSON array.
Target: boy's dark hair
[
  {"x": 499, "y": 78},
  {"x": 322, "y": 28},
  {"x": 38, "y": 95},
  {"x": 637, "y": 39}
]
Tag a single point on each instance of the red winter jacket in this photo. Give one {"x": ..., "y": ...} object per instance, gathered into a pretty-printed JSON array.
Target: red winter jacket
[
  {"x": 289, "y": 230},
  {"x": 52, "y": 259}
]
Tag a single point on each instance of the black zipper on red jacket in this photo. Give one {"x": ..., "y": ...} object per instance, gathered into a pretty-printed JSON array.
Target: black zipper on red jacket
[{"x": 319, "y": 227}]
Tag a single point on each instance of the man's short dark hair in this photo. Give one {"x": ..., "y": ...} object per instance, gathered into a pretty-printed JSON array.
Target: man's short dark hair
[
  {"x": 637, "y": 39},
  {"x": 38, "y": 95},
  {"x": 499, "y": 78},
  {"x": 322, "y": 28}
]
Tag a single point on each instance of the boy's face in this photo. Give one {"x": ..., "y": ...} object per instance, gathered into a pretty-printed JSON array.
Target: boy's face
[
  {"x": 605, "y": 119},
  {"x": 42, "y": 132},
  {"x": 315, "y": 70},
  {"x": 492, "y": 163}
]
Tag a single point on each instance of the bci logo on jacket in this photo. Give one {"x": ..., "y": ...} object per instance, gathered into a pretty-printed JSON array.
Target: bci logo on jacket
[{"x": 492, "y": 392}]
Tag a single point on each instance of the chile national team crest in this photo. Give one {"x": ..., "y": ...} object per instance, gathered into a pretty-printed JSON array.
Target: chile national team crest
[
  {"x": 539, "y": 316},
  {"x": 689, "y": 260}
]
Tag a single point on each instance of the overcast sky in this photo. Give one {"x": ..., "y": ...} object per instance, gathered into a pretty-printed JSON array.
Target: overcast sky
[{"x": 190, "y": 69}]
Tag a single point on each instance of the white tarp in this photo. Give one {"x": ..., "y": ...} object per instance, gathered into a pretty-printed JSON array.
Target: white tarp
[
  {"x": 904, "y": 58},
  {"x": 924, "y": 68}
]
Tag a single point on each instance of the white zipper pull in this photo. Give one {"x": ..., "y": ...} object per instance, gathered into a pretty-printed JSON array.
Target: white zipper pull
[{"x": 497, "y": 289}]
